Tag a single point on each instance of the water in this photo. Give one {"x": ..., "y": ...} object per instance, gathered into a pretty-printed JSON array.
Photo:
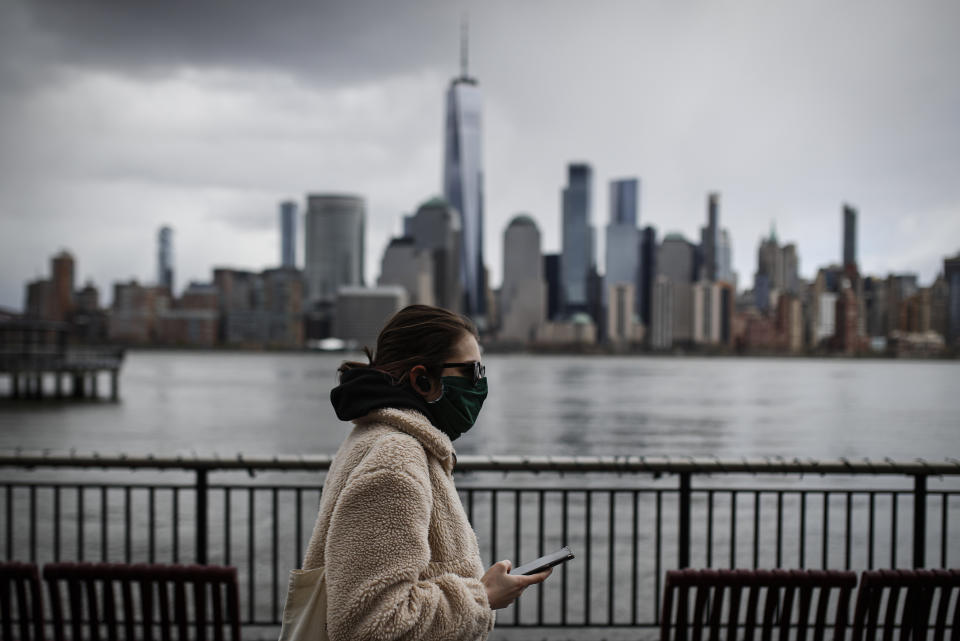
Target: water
[{"x": 277, "y": 403}]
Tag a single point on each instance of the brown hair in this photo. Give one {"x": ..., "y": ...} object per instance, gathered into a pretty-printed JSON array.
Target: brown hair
[{"x": 416, "y": 335}]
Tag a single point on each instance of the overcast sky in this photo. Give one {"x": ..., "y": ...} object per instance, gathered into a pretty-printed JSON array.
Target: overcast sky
[{"x": 118, "y": 117}]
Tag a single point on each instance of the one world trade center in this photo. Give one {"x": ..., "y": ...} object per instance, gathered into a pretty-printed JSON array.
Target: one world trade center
[{"x": 463, "y": 182}]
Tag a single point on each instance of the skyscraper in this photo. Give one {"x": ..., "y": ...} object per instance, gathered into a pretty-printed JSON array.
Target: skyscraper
[
  {"x": 463, "y": 180},
  {"x": 769, "y": 274},
  {"x": 624, "y": 197},
  {"x": 577, "y": 241},
  {"x": 648, "y": 272},
  {"x": 334, "y": 245},
  {"x": 165, "y": 258},
  {"x": 288, "y": 234},
  {"x": 710, "y": 238},
  {"x": 676, "y": 261},
  {"x": 849, "y": 236},
  {"x": 623, "y": 238},
  {"x": 725, "y": 271},
  {"x": 523, "y": 293}
]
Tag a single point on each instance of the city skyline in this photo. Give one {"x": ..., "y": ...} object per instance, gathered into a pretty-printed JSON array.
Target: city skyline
[{"x": 139, "y": 127}]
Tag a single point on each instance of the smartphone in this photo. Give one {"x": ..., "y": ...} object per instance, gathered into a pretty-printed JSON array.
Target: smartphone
[{"x": 539, "y": 565}]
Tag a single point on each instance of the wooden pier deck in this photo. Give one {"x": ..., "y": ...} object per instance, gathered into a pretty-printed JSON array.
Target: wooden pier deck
[{"x": 32, "y": 352}]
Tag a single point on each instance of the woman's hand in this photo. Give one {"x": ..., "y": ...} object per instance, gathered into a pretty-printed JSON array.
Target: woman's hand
[{"x": 503, "y": 588}]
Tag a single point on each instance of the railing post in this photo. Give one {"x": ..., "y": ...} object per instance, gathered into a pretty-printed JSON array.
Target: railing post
[
  {"x": 919, "y": 519},
  {"x": 683, "y": 533},
  {"x": 201, "y": 520}
]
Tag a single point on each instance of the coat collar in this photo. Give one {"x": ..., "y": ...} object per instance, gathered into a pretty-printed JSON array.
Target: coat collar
[{"x": 412, "y": 422}]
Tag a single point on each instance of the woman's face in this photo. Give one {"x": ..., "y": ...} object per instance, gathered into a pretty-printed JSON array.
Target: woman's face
[{"x": 466, "y": 350}]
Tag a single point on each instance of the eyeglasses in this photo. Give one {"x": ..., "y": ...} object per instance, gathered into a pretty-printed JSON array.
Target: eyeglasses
[{"x": 479, "y": 370}]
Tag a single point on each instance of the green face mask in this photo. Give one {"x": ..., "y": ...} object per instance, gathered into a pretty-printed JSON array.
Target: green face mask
[{"x": 459, "y": 405}]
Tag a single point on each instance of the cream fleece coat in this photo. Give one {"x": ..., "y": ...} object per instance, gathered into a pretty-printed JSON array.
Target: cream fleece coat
[{"x": 401, "y": 559}]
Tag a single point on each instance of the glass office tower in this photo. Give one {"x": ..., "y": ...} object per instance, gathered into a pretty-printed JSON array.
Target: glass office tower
[
  {"x": 577, "y": 240},
  {"x": 463, "y": 185}
]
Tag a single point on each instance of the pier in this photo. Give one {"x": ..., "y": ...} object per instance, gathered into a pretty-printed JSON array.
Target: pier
[{"x": 32, "y": 352}]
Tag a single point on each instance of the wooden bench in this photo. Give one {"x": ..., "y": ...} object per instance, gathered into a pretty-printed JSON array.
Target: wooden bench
[
  {"x": 927, "y": 599},
  {"x": 94, "y": 601},
  {"x": 20, "y": 582},
  {"x": 737, "y": 604}
]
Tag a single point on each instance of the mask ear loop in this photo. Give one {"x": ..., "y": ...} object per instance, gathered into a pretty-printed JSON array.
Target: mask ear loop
[{"x": 443, "y": 389}]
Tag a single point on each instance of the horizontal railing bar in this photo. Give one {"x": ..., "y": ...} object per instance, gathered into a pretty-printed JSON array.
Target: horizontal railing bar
[
  {"x": 698, "y": 492},
  {"x": 77, "y": 485},
  {"x": 473, "y": 463}
]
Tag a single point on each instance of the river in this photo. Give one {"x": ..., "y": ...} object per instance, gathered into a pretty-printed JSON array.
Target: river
[{"x": 183, "y": 402}]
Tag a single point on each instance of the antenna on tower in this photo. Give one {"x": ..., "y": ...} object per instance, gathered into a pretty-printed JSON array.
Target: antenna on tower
[{"x": 464, "y": 36}]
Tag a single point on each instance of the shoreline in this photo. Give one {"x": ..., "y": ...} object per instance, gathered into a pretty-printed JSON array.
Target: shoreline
[{"x": 587, "y": 351}]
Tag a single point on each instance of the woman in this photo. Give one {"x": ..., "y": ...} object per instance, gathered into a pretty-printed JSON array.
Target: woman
[{"x": 400, "y": 557}]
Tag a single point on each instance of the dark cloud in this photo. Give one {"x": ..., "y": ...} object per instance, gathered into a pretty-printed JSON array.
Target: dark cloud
[
  {"x": 327, "y": 42},
  {"x": 118, "y": 117}
]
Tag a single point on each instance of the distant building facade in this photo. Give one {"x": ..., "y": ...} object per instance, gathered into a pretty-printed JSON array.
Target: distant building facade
[
  {"x": 725, "y": 272},
  {"x": 406, "y": 265},
  {"x": 710, "y": 239},
  {"x": 136, "y": 311},
  {"x": 436, "y": 228},
  {"x": 577, "y": 238},
  {"x": 661, "y": 322},
  {"x": 260, "y": 309},
  {"x": 677, "y": 261},
  {"x": 39, "y": 303},
  {"x": 552, "y": 275},
  {"x": 846, "y": 320},
  {"x": 849, "y": 236},
  {"x": 951, "y": 274},
  {"x": 777, "y": 272},
  {"x": 165, "y": 258},
  {"x": 523, "y": 293},
  {"x": 577, "y": 331},
  {"x": 62, "y": 270},
  {"x": 623, "y": 327},
  {"x": 191, "y": 320},
  {"x": 288, "y": 234},
  {"x": 647, "y": 274},
  {"x": 624, "y": 201},
  {"x": 361, "y": 312},
  {"x": 705, "y": 313},
  {"x": 334, "y": 245},
  {"x": 623, "y": 238}
]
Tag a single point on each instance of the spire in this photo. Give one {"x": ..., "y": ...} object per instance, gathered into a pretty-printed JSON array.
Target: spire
[
  {"x": 773, "y": 230},
  {"x": 464, "y": 35}
]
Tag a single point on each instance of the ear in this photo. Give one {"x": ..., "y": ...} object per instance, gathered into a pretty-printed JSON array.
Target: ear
[{"x": 423, "y": 384}]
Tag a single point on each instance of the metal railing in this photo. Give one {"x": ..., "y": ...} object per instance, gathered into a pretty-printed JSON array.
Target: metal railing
[{"x": 628, "y": 519}]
